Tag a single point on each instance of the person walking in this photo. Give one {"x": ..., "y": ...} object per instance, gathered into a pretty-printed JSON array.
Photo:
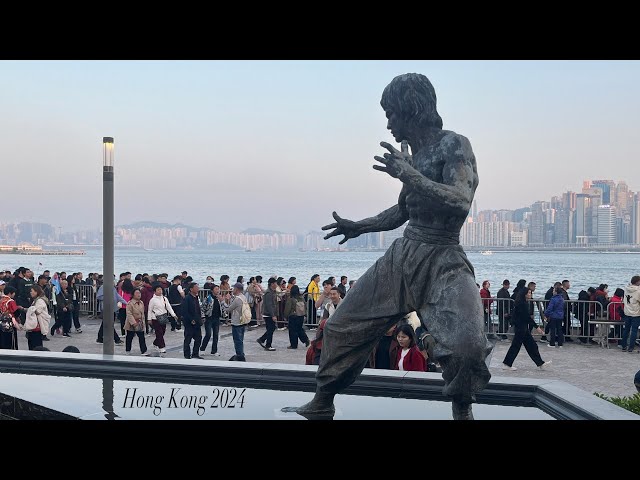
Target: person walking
[
  {"x": 134, "y": 322},
  {"x": 233, "y": 306},
  {"x": 192, "y": 317},
  {"x": 212, "y": 315},
  {"x": 75, "y": 293},
  {"x": 522, "y": 325},
  {"x": 64, "y": 301},
  {"x": 158, "y": 314},
  {"x": 118, "y": 302},
  {"x": 270, "y": 315},
  {"x": 126, "y": 292},
  {"x": 176, "y": 296},
  {"x": 294, "y": 312},
  {"x": 38, "y": 317}
]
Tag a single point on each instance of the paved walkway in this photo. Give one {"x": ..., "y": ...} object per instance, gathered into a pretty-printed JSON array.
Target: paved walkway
[{"x": 594, "y": 369}]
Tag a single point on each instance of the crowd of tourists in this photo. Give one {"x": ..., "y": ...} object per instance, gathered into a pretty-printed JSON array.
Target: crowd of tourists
[
  {"x": 516, "y": 311},
  {"x": 147, "y": 305}
]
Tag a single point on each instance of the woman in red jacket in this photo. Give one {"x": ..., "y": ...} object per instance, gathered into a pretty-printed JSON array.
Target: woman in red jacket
[
  {"x": 485, "y": 294},
  {"x": 408, "y": 358}
]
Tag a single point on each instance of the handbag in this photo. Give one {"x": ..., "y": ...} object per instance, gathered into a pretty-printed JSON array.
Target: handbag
[
  {"x": 32, "y": 319},
  {"x": 164, "y": 317}
]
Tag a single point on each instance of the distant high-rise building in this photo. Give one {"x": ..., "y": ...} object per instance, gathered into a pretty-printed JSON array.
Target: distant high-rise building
[
  {"x": 569, "y": 200},
  {"x": 621, "y": 200},
  {"x": 606, "y": 224},
  {"x": 486, "y": 234},
  {"x": 608, "y": 187},
  {"x": 583, "y": 218},
  {"x": 536, "y": 224},
  {"x": 519, "y": 214},
  {"x": 504, "y": 216},
  {"x": 475, "y": 211},
  {"x": 635, "y": 220},
  {"x": 392, "y": 235},
  {"x": 564, "y": 232}
]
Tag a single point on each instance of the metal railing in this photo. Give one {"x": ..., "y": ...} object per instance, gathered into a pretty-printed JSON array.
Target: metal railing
[{"x": 578, "y": 313}]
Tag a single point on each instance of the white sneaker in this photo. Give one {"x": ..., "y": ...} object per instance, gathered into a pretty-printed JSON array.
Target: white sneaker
[
  {"x": 215, "y": 354},
  {"x": 163, "y": 350},
  {"x": 203, "y": 353},
  {"x": 551, "y": 346},
  {"x": 507, "y": 367},
  {"x": 545, "y": 365},
  {"x": 156, "y": 348},
  {"x": 145, "y": 354}
]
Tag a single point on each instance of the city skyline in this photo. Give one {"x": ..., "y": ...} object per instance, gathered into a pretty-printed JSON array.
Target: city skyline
[
  {"x": 604, "y": 212},
  {"x": 284, "y": 143}
]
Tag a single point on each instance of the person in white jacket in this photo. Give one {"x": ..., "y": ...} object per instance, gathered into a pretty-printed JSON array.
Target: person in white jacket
[
  {"x": 631, "y": 314},
  {"x": 38, "y": 318},
  {"x": 159, "y": 306}
]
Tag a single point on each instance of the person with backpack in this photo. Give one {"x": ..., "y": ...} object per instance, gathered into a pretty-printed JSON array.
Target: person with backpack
[
  {"x": 9, "y": 324},
  {"x": 212, "y": 314},
  {"x": 294, "y": 312},
  {"x": 240, "y": 314},
  {"x": 631, "y": 314}
]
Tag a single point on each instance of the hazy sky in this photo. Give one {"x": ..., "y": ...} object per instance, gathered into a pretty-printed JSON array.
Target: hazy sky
[{"x": 280, "y": 144}]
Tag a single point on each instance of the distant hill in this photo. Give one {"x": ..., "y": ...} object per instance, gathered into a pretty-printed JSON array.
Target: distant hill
[{"x": 146, "y": 224}]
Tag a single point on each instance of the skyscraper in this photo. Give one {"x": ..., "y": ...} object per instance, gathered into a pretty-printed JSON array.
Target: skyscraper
[
  {"x": 475, "y": 211},
  {"x": 569, "y": 200},
  {"x": 635, "y": 220},
  {"x": 608, "y": 187},
  {"x": 564, "y": 232},
  {"x": 622, "y": 199},
  {"x": 536, "y": 224},
  {"x": 606, "y": 224},
  {"x": 583, "y": 218}
]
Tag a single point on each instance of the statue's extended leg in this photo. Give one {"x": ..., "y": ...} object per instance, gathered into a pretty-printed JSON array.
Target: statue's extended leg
[{"x": 456, "y": 322}]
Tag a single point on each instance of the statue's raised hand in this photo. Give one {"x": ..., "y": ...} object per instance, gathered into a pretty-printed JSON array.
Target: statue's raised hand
[
  {"x": 348, "y": 228},
  {"x": 395, "y": 162}
]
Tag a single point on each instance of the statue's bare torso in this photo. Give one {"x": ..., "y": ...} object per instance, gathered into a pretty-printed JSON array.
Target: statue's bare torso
[{"x": 446, "y": 160}]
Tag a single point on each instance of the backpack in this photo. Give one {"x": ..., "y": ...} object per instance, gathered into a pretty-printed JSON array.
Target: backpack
[
  {"x": 245, "y": 316},
  {"x": 6, "y": 320},
  {"x": 207, "y": 306},
  {"x": 301, "y": 309}
]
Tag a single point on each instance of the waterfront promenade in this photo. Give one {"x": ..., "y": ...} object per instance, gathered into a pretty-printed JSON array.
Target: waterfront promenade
[{"x": 591, "y": 368}]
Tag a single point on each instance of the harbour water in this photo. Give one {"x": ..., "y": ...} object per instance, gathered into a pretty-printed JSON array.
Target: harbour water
[{"x": 582, "y": 269}]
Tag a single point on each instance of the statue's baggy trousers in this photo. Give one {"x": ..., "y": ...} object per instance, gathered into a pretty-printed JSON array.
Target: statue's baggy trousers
[{"x": 426, "y": 272}]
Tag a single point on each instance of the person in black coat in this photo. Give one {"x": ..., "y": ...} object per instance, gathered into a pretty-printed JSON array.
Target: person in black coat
[
  {"x": 192, "y": 321},
  {"x": 523, "y": 323},
  {"x": 504, "y": 308}
]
